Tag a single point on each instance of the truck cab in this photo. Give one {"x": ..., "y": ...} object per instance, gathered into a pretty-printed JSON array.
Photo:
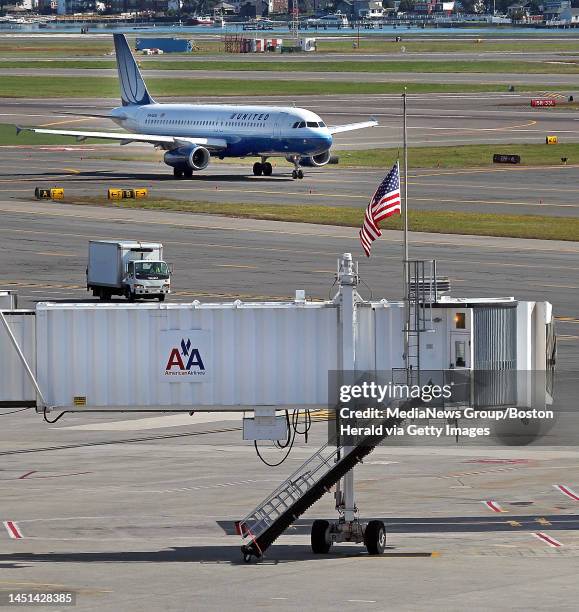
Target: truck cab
[
  {"x": 130, "y": 268},
  {"x": 147, "y": 277}
]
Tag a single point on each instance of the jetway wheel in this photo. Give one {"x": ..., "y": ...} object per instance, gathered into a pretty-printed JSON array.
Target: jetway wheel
[
  {"x": 320, "y": 542},
  {"x": 375, "y": 537}
]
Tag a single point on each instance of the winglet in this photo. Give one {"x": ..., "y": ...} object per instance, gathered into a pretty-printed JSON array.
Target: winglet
[{"x": 18, "y": 129}]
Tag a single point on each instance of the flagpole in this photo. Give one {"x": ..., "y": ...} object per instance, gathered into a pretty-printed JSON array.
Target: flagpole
[
  {"x": 405, "y": 236},
  {"x": 405, "y": 201}
]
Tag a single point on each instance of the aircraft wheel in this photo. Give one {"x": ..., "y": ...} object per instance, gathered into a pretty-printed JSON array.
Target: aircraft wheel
[
  {"x": 258, "y": 168},
  {"x": 300, "y": 174},
  {"x": 375, "y": 537},
  {"x": 295, "y": 174},
  {"x": 320, "y": 543},
  {"x": 267, "y": 169},
  {"x": 188, "y": 173},
  {"x": 177, "y": 173}
]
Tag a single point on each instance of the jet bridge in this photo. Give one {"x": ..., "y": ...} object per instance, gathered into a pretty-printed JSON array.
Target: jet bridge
[{"x": 265, "y": 358}]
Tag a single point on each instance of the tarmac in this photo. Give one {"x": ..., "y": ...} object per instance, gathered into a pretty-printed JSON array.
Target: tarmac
[{"x": 88, "y": 171}]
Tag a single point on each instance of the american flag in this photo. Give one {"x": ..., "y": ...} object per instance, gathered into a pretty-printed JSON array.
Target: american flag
[{"x": 384, "y": 203}]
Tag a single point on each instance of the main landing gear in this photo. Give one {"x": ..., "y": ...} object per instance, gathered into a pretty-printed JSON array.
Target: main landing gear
[
  {"x": 178, "y": 173},
  {"x": 324, "y": 534},
  {"x": 262, "y": 167}
]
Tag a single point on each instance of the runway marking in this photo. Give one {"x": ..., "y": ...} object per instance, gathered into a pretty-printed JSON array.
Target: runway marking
[
  {"x": 543, "y": 521},
  {"x": 236, "y": 266},
  {"x": 51, "y": 254},
  {"x": 64, "y": 121},
  {"x": 494, "y": 506},
  {"x": 548, "y": 539},
  {"x": 567, "y": 491},
  {"x": 361, "y": 601},
  {"x": 13, "y": 530},
  {"x": 514, "y": 523}
]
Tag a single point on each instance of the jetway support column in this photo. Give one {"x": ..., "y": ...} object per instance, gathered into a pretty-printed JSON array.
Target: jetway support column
[{"x": 348, "y": 278}]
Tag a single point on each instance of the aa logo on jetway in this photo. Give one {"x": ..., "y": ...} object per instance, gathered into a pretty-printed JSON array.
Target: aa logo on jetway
[
  {"x": 185, "y": 360},
  {"x": 185, "y": 356}
]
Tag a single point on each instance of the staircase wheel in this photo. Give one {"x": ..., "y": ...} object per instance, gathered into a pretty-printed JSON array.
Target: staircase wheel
[
  {"x": 375, "y": 537},
  {"x": 320, "y": 542}
]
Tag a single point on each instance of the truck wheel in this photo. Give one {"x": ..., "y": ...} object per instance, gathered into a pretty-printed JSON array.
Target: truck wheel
[
  {"x": 104, "y": 295},
  {"x": 320, "y": 543},
  {"x": 375, "y": 537}
]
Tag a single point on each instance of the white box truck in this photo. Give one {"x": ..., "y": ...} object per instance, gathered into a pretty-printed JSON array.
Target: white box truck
[{"x": 129, "y": 268}]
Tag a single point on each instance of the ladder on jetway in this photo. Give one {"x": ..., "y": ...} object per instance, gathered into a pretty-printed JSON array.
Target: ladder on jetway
[{"x": 263, "y": 525}]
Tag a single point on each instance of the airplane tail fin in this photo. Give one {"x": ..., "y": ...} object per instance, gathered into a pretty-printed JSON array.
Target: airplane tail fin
[{"x": 133, "y": 89}]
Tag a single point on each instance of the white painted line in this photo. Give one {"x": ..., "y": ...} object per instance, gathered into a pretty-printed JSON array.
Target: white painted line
[
  {"x": 548, "y": 539},
  {"x": 361, "y": 601},
  {"x": 13, "y": 530},
  {"x": 494, "y": 506},
  {"x": 567, "y": 491}
]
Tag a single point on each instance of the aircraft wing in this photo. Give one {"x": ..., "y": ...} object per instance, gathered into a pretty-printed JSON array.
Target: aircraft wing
[
  {"x": 336, "y": 129},
  {"x": 215, "y": 144}
]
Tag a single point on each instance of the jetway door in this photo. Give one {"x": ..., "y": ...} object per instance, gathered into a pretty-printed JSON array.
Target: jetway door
[
  {"x": 495, "y": 356},
  {"x": 16, "y": 390}
]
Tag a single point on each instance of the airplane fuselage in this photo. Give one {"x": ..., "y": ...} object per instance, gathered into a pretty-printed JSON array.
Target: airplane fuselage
[{"x": 246, "y": 130}]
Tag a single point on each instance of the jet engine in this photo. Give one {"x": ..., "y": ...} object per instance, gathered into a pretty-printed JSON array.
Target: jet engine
[
  {"x": 316, "y": 160},
  {"x": 188, "y": 158}
]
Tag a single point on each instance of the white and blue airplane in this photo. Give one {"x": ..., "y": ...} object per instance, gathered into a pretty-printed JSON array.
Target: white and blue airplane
[{"x": 191, "y": 133}]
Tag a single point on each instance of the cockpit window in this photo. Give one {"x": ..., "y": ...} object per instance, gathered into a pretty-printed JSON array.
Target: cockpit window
[
  {"x": 296, "y": 124},
  {"x": 302, "y": 124},
  {"x": 312, "y": 124},
  {"x": 322, "y": 124}
]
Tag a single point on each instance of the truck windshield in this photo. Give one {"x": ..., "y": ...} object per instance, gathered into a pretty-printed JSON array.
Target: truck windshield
[{"x": 152, "y": 270}]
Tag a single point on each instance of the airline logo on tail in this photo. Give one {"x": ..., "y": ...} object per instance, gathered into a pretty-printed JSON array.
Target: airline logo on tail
[{"x": 133, "y": 89}]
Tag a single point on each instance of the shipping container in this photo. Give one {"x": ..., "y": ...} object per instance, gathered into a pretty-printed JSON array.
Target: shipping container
[{"x": 167, "y": 45}]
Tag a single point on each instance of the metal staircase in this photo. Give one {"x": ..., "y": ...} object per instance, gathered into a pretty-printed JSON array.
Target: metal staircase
[{"x": 263, "y": 525}]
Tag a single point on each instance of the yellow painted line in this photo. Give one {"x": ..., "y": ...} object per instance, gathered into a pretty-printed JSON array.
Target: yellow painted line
[
  {"x": 564, "y": 337},
  {"x": 51, "y": 254},
  {"x": 64, "y": 121},
  {"x": 561, "y": 286},
  {"x": 567, "y": 319},
  {"x": 276, "y": 193},
  {"x": 236, "y": 266}
]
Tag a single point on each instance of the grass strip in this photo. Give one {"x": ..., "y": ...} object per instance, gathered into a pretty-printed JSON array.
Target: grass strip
[
  {"x": 438, "y": 222},
  {"x": 276, "y": 64},
  {"x": 107, "y": 87}
]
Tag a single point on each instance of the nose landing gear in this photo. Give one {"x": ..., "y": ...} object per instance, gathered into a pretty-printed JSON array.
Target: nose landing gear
[{"x": 297, "y": 173}]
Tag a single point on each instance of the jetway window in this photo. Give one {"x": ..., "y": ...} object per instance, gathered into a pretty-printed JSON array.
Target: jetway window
[
  {"x": 460, "y": 353},
  {"x": 460, "y": 320}
]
